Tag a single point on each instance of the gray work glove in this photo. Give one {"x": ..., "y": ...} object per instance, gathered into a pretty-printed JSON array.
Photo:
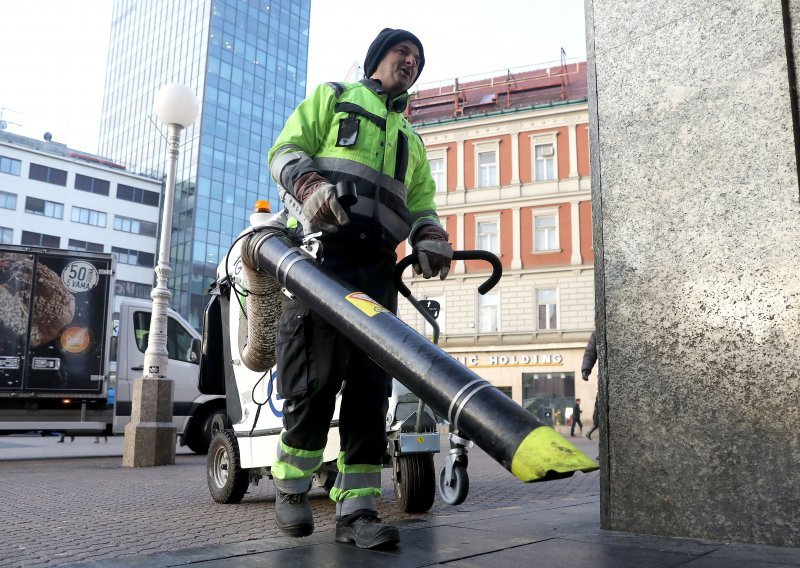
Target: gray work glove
[
  {"x": 320, "y": 205},
  {"x": 433, "y": 252},
  {"x": 585, "y": 375}
]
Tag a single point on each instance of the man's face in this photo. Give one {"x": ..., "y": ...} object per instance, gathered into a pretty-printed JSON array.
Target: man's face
[{"x": 398, "y": 69}]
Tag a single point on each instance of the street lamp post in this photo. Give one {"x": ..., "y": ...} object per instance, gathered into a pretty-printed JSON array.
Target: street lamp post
[{"x": 150, "y": 435}]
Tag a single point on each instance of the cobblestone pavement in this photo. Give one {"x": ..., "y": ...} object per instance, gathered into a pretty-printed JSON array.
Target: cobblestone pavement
[{"x": 63, "y": 511}]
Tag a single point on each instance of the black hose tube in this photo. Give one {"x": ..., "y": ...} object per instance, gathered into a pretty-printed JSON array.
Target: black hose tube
[{"x": 488, "y": 417}]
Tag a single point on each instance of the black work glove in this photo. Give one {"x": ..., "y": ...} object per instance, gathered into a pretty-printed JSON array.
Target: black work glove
[
  {"x": 585, "y": 375},
  {"x": 433, "y": 252},
  {"x": 320, "y": 205}
]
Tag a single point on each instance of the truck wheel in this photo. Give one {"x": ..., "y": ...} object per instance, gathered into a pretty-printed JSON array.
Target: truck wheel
[
  {"x": 203, "y": 430},
  {"x": 227, "y": 481},
  {"x": 414, "y": 482}
]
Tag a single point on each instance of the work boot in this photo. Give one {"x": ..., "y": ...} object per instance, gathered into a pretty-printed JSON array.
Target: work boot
[
  {"x": 365, "y": 529},
  {"x": 293, "y": 513}
]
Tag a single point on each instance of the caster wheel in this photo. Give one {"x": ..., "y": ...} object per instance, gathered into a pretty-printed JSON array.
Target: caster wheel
[{"x": 456, "y": 491}]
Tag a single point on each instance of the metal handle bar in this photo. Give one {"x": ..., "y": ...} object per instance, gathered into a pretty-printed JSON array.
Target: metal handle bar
[{"x": 497, "y": 269}]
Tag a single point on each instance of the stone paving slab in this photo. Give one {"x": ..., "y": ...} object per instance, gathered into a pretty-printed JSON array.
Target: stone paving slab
[
  {"x": 92, "y": 512},
  {"x": 63, "y": 511},
  {"x": 539, "y": 538}
]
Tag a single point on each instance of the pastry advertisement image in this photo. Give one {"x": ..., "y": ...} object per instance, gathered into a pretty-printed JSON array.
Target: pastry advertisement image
[{"x": 52, "y": 321}]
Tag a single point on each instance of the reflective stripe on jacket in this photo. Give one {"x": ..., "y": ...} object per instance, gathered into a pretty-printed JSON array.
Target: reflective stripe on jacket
[{"x": 385, "y": 158}]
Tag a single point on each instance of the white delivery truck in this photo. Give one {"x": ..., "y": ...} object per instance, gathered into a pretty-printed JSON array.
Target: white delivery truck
[{"x": 62, "y": 349}]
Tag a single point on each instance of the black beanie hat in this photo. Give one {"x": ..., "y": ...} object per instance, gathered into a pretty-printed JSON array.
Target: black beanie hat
[{"x": 385, "y": 40}]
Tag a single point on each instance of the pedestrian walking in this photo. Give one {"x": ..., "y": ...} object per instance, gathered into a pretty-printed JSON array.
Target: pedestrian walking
[
  {"x": 589, "y": 357},
  {"x": 576, "y": 417},
  {"x": 595, "y": 419},
  {"x": 588, "y": 363}
]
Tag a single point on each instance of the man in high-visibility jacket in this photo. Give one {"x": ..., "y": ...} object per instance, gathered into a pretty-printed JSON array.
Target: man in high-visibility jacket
[{"x": 353, "y": 132}]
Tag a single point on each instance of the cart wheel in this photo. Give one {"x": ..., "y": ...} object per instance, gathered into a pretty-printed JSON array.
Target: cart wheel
[
  {"x": 414, "y": 482},
  {"x": 456, "y": 492},
  {"x": 227, "y": 481}
]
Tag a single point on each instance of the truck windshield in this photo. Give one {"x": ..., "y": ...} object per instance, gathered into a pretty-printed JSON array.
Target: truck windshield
[{"x": 179, "y": 340}]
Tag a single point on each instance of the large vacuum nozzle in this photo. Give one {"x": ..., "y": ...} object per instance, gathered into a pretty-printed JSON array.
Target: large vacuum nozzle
[{"x": 507, "y": 432}]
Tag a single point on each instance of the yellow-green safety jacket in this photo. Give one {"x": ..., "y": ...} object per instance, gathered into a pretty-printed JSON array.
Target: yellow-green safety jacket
[{"x": 355, "y": 132}]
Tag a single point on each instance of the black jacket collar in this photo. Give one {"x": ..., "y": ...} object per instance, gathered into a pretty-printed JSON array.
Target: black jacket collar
[{"x": 398, "y": 104}]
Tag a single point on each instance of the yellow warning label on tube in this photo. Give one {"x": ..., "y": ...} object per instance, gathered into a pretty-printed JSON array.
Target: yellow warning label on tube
[{"x": 365, "y": 303}]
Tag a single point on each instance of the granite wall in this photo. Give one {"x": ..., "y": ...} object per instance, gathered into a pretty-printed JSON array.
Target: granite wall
[{"x": 697, "y": 233}]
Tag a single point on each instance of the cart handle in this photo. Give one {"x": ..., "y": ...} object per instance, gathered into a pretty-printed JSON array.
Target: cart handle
[{"x": 497, "y": 269}]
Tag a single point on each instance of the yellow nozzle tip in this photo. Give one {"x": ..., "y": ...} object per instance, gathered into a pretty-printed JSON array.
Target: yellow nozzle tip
[{"x": 545, "y": 454}]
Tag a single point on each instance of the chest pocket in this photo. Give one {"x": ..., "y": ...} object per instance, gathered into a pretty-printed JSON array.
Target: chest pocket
[
  {"x": 348, "y": 131},
  {"x": 348, "y": 134}
]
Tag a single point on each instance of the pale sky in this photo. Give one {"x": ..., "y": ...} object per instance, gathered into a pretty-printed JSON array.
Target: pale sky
[{"x": 53, "y": 52}]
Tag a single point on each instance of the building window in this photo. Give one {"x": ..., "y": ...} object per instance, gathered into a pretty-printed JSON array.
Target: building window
[
  {"x": 8, "y": 200},
  {"x": 134, "y": 257},
  {"x": 137, "y": 195},
  {"x": 549, "y": 396},
  {"x": 544, "y": 157},
  {"x": 9, "y": 166},
  {"x": 437, "y": 313},
  {"x": 179, "y": 340},
  {"x": 48, "y": 174},
  {"x": 545, "y": 227},
  {"x": 487, "y": 168},
  {"x": 135, "y": 226},
  {"x": 487, "y": 232},
  {"x": 40, "y": 240},
  {"x": 438, "y": 162},
  {"x": 88, "y": 217},
  {"x": 546, "y": 309},
  {"x": 6, "y": 235},
  {"x": 92, "y": 185},
  {"x": 41, "y": 207},
  {"x": 84, "y": 245},
  {"x": 489, "y": 313},
  {"x": 132, "y": 289}
]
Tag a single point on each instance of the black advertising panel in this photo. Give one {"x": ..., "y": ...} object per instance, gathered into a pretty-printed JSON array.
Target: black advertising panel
[
  {"x": 62, "y": 347},
  {"x": 16, "y": 282}
]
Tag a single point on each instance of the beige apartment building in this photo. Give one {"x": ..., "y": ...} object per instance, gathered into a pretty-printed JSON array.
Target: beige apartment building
[{"x": 510, "y": 156}]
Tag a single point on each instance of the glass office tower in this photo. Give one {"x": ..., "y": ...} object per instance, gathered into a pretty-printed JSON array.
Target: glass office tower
[{"x": 246, "y": 62}]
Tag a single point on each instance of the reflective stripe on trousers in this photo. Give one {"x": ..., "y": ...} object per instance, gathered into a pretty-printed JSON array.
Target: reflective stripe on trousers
[{"x": 357, "y": 487}]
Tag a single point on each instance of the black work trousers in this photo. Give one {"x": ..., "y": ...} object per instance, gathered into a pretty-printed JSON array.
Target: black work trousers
[{"x": 314, "y": 359}]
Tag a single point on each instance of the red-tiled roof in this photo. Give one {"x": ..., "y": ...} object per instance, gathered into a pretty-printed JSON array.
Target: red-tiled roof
[{"x": 514, "y": 90}]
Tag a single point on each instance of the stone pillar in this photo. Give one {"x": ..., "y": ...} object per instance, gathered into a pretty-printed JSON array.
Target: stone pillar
[
  {"x": 460, "y": 166},
  {"x": 515, "y": 158},
  {"x": 516, "y": 233},
  {"x": 459, "y": 267},
  {"x": 575, "y": 232},
  {"x": 696, "y": 232},
  {"x": 150, "y": 436},
  {"x": 572, "y": 129}
]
